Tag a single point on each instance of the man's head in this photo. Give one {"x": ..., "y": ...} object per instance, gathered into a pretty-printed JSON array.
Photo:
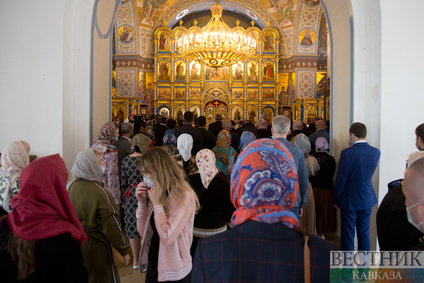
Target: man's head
[
  {"x": 233, "y": 124},
  {"x": 157, "y": 120},
  {"x": 419, "y": 137},
  {"x": 171, "y": 123},
  {"x": 188, "y": 117},
  {"x": 262, "y": 124},
  {"x": 163, "y": 120},
  {"x": 263, "y": 116},
  {"x": 201, "y": 121},
  {"x": 218, "y": 117},
  {"x": 320, "y": 124},
  {"x": 226, "y": 125},
  {"x": 280, "y": 126},
  {"x": 413, "y": 190},
  {"x": 357, "y": 131},
  {"x": 297, "y": 125},
  {"x": 127, "y": 129}
]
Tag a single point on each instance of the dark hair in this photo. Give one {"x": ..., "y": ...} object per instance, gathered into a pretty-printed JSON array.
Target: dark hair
[
  {"x": 137, "y": 149},
  {"x": 163, "y": 120},
  {"x": 188, "y": 116},
  {"x": 157, "y": 120},
  {"x": 359, "y": 130},
  {"x": 419, "y": 131},
  {"x": 233, "y": 123},
  {"x": 180, "y": 123},
  {"x": 171, "y": 123},
  {"x": 201, "y": 121},
  {"x": 250, "y": 127}
]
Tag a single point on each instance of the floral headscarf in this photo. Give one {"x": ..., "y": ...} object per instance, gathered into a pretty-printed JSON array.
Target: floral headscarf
[
  {"x": 321, "y": 145},
  {"x": 107, "y": 134},
  {"x": 142, "y": 141},
  {"x": 170, "y": 142},
  {"x": 223, "y": 147},
  {"x": 264, "y": 184},
  {"x": 205, "y": 161}
]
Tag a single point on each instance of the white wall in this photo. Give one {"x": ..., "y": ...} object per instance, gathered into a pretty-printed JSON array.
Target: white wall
[
  {"x": 402, "y": 76},
  {"x": 31, "y": 74}
]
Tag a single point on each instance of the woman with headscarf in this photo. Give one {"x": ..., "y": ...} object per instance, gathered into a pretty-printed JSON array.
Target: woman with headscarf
[
  {"x": 223, "y": 151},
  {"x": 307, "y": 220},
  {"x": 213, "y": 192},
  {"x": 169, "y": 138},
  {"x": 246, "y": 138},
  {"x": 98, "y": 215},
  {"x": 264, "y": 244},
  {"x": 14, "y": 158},
  {"x": 130, "y": 178},
  {"x": 106, "y": 144},
  {"x": 41, "y": 238},
  {"x": 184, "y": 158},
  {"x": 322, "y": 184}
]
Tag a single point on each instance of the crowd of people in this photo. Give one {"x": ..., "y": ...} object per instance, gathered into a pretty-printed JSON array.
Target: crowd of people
[{"x": 191, "y": 203}]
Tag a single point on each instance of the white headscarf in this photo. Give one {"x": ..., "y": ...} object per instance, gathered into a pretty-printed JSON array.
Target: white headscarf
[
  {"x": 86, "y": 167},
  {"x": 184, "y": 145},
  {"x": 14, "y": 158}
]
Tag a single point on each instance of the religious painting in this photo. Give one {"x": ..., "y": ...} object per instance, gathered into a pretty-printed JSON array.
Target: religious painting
[
  {"x": 163, "y": 111},
  {"x": 307, "y": 37},
  {"x": 179, "y": 112},
  {"x": 164, "y": 71},
  {"x": 252, "y": 71},
  {"x": 269, "y": 113},
  {"x": 268, "y": 93},
  {"x": 286, "y": 9},
  {"x": 254, "y": 35},
  {"x": 180, "y": 70},
  {"x": 237, "y": 113},
  {"x": 195, "y": 93},
  {"x": 164, "y": 42},
  {"x": 179, "y": 35},
  {"x": 268, "y": 42},
  {"x": 150, "y": 8},
  {"x": 252, "y": 93},
  {"x": 164, "y": 93},
  {"x": 268, "y": 71},
  {"x": 223, "y": 110},
  {"x": 194, "y": 71},
  {"x": 179, "y": 93},
  {"x": 237, "y": 72},
  {"x": 216, "y": 93},
  {"x": 125, "y": 34},
  {"x": 216, "y": 74},
  {"x": 312, "y": 3},
  {"x": 237, "y": 93},
  {"x": 196, "y": 113},
  {"x": 252, "y": 114}
]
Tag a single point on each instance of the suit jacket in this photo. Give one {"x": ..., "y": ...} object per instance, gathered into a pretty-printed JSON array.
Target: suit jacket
[
  {"x": 353, "y": 189},
  {"x": 124, "y": 149},
  {"x": 207, "y": 137},
  {"x": 215, "y": 127},
  {"x": 264, "y": 134},
  {"x": 159, "y": 131},
  {"x": 195, "y": 133},
  {"x": 260, "y": 252}
]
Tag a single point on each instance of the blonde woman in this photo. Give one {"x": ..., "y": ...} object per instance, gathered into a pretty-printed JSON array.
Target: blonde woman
[{"x": 165, "y": 218}]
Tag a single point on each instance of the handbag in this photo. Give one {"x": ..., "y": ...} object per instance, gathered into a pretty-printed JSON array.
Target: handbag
[{"x": 118, "y": 259}]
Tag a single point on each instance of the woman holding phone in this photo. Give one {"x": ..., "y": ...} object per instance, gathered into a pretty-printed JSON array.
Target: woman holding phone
[{"x": 165, "y": 218}]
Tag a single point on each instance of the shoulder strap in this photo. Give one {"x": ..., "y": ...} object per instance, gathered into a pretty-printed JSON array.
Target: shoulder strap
[{"x": 307, "y": 259}]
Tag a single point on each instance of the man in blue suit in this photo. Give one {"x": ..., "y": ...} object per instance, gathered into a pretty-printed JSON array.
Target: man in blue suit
[{"x": 353, "y": 192}]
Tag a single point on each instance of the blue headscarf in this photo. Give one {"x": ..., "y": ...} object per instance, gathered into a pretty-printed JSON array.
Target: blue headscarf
[
  {"x": 246, "y": 138},
  {"x": 170, "y": 142}
]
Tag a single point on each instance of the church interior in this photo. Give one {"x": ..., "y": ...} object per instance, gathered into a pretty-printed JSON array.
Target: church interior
[
  {"x": 343, "y": 60},
  {"x": 286, "y": 74}
]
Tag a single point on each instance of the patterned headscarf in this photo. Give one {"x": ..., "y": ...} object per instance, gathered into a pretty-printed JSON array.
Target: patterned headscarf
[
  {"x": 223, "y": 147},
  {"x": 264, "y": 184},
  {"x": 14, "y": 159},
  {"x": 246, "y": 138},
  {"x": 303, "y": 142},
  {"x": 205, "y": 160},
  {"x": 321, "y": 145},
  {"x": 107, "y": 134},
  {"x": 169, "y": 137},
  {"x": 142, "y": 141}
]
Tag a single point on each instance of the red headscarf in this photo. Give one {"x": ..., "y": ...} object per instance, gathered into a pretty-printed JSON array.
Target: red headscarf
[
  {"x": 264, "y": 184},
  {"x": 42, "y": 208}
]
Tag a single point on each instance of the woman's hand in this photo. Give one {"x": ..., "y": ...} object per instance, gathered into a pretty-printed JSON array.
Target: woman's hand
[
  {"x": 141, "y": 192},
  {"x": 153, "y": 195}
]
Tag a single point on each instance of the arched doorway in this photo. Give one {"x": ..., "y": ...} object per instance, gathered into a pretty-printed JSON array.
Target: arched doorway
[{"x": 214, "y": 107}]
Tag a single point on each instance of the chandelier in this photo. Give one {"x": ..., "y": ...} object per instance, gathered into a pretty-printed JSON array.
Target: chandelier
[{"x": 216, "y": 45}]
